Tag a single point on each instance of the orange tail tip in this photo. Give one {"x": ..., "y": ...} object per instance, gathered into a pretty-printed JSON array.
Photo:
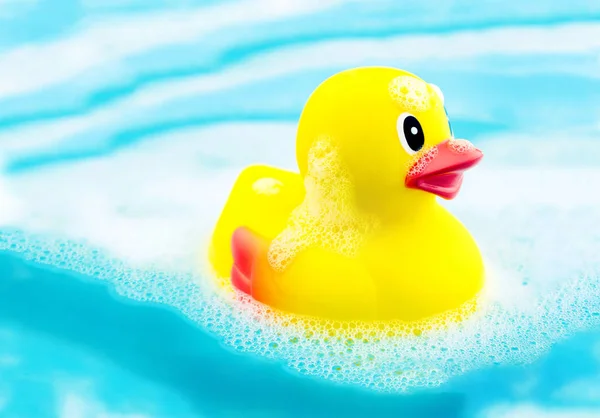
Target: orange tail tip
[{"x": 245, "y": 248}]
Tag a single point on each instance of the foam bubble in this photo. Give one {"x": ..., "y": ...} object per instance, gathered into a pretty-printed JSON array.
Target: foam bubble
[
  {"x": 460, "y": 146},
  {"x": 419, "y": 162},
  {"x": 410, "y": 93}
]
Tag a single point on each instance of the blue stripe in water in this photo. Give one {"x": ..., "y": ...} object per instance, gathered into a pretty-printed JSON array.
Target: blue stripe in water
[
  {"x": 126, "y": 138},
  {"x": 237, "y": 53}
]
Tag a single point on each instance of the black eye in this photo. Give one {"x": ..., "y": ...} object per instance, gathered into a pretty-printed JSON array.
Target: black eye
[{"x": 410, "y": 133}]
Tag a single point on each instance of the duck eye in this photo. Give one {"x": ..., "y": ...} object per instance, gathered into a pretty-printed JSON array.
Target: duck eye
[{"x": 410, "y": 133}]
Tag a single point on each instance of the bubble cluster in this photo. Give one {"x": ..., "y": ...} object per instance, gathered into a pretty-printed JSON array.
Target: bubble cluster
[
  {"x": 537, "y": 292},
  {"x": 460, "y": 146},
  {"x": 328, "y": 217},
  {"x": 410, "y": 93},
  {"x": 421, "y": 160}
]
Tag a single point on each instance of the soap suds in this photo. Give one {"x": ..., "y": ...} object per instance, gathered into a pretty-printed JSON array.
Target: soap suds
[
  {"x": 410, "y": 93},
  {"x": 460, "y": 146},
  {"x": 328, "y": 217},
  {"x": 419, "y": 162}
]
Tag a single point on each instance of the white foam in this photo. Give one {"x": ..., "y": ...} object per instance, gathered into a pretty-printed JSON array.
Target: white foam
[
  {"x": 410, "y": 93},
  {"x": 139, "y": 220},
  {"x": 149, "y": 202},
  {"x": 10, "y": 207},
  {"x": 327, "y": 217}
]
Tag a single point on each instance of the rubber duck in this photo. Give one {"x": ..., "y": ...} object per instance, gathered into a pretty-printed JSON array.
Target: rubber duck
[{"x": 357, "y": 233}]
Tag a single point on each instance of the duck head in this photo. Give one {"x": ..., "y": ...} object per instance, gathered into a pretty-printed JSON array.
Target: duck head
[{"x": 392, "y": 132}]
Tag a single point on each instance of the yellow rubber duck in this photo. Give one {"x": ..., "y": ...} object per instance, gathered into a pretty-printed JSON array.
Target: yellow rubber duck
[{"x": 357, "y": 234}]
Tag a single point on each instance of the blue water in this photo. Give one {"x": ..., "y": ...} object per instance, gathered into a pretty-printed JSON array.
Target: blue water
[{"x": 122, "y": 125}]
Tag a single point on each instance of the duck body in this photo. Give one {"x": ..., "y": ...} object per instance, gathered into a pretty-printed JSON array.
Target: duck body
[
  {"x": 435, "y": 263},
  {"x": 357, "y": 233}
]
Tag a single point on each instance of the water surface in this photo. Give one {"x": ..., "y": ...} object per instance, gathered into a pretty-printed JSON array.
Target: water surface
[{"x": 123, "y": 125}]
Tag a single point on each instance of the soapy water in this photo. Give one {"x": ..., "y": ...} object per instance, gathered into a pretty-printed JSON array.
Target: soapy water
[{"x": 540, "y": 248}]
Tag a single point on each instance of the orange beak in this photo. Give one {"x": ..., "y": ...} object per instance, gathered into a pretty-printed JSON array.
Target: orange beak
[{"x": 440, "y": 170}]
